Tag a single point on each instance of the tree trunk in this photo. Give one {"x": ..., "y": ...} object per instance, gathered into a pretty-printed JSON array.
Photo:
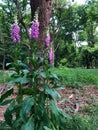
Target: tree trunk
[
  {"x": 45, "y": 7},
  {"x": 34, "y": 4}
]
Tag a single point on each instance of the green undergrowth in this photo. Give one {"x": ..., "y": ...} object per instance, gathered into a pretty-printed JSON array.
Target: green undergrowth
[
  {"x": 88, "y": 118},
  {"x": 78, "y": 122},
  {"x": 69, "y": 76},
  {"x": 4, "y": 77},
  {"x": 77, "y": 77},
  {"x": 91, "y": 109}
]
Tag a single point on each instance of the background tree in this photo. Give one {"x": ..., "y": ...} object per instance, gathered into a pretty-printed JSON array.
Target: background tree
[{"x": 83, "y": 21}]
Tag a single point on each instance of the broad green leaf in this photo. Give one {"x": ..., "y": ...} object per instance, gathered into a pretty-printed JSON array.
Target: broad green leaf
[
  {"x": 6, "y": 94},
  {"x": 54, "y": 108},
  {"x": 29, "y": 125},
  {"x": 43, "y": 74},
  {"x": 8, "y": 117},
  {"x": 42, "y": 59},
  {"x": 51, "y": 92},
  {"x": 21, "y": 80},
  {"x": 11, "y": 74},
  {"x": 26, "y": 106},
  {"x": 41, "y": 104},
  {"x": 22, "y": 64},
  {"x": 11, "y": 106},
  {"x": 5, "y": 102},
  {"x": 1, "y": 49},
  {"x": 8, "y": 114},
  {"x": 25, "y": 71},
  {"x": 54, "y": 76}
]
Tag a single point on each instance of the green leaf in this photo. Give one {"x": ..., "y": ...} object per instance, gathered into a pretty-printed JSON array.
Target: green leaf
[
  {"x": 51, "y": 92},
  {"x": 11, "y": 74},
  {"x": 11, "y": 106},
  {"x": 6, "y": 94},
  {"x": 46, "y": 128},
  {"x": 22, "y": 64},
  {"x": 25, "y": 71},
  {"x": 26, "y": 106},
  {"x": 21, "y": 80},
  {"x": 54, "y": 108},
  {"x": 43, "y": 74},
  {"x": 41, "y": 104},
  {"x": 2, "y": 49},
  {"x": 41, "y": 59},
  {"x": 54, "y": 76},
  {"x": 29, "y": 125},
  {"x": 8, "y": 117},
  {"x": 8, "y": 114},
  {"x": 5, "y": 102}
]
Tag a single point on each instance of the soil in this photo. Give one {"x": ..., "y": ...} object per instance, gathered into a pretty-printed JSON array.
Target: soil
[{"x": 72, "y": 100}]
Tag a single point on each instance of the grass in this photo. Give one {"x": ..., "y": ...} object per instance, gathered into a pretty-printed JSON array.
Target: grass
[
  {"x": 78, "y": 76},
  {"x": 78, "y": 122},
  {"x": 88, "y": 119},
  {"x": 69, "y": 76},
  {"x": 4, "y": 77}
]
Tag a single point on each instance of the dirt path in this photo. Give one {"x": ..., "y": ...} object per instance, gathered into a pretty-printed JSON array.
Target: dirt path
[
  {"x": 76, "y": 99},
  {"x": 72, "y": 100}
]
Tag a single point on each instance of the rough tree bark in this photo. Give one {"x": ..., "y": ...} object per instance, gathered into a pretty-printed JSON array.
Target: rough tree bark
[{"x": 34, "y": 4}]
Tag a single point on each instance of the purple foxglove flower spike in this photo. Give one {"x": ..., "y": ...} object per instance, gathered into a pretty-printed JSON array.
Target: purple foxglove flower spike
[
  {"x": 48, "y": 40},
  {"x": 15, "y": 33},
  {"x": 34, "y": 30}
]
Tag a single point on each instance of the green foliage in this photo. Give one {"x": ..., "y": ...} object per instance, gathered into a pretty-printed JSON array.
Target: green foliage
[
  {"x": 89, "y": 57},
  {"x": 5, "y": 77},
  {"x": 8, "y": 12},
  {"x": 78, "y": 122},
  {"x": 91, "y": 109},
  {"x": 68, "y": 54},
  {"x": 63, "y": 62},
  {"x": 77, "y": 77},
  {"x": 82, "y": 36},
  {"x": 83, "y": 21},
  {"x": 34, "y": 106}
]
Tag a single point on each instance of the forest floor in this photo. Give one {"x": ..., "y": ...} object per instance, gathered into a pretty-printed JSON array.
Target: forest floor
[{"x": 72, "y": 100}]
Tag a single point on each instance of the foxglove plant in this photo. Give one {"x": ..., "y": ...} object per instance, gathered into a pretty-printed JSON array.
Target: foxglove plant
[
  {"x": 15, "y": 32},
  {"x": 34, "y": 30},
  {"x": 50, "y": 52},
  {"x": 34, "y": 107}
]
